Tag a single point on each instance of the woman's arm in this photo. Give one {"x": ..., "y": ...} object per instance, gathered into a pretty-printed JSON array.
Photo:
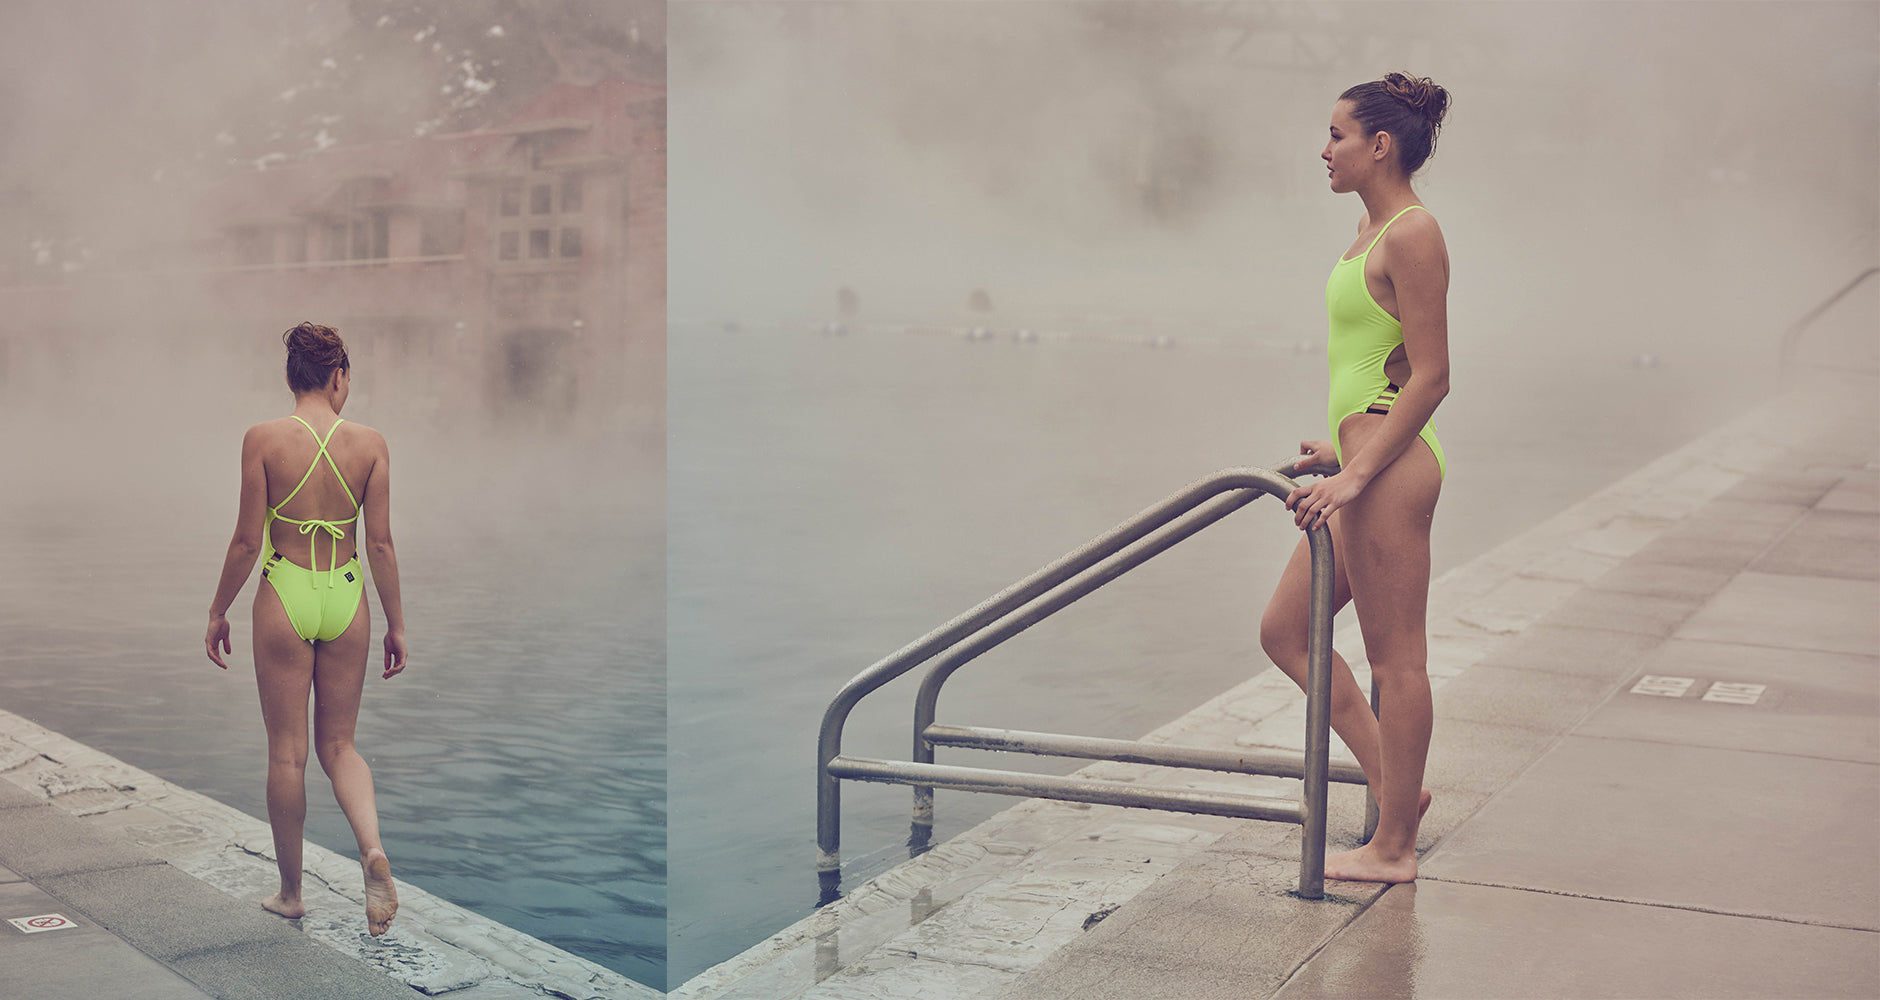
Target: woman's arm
[
  {"x": 382, "y": 556},
  {"x": 243, "y": 547},
  {"x": 1417, "y": 264}
]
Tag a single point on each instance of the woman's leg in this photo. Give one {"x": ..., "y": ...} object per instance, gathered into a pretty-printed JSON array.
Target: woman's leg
[
  {"x": 1385, "y": 546},
  {"x": 283, "y": 675},
  {"x": 339, "y": 676},
  {"x": 1285, "y": 630}
]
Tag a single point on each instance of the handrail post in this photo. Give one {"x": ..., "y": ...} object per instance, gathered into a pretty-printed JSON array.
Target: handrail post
[
  {"x": 1370, "y": 798},
  {"x": 829, "y": 790},
  {"x": 1318, "y": 716}
]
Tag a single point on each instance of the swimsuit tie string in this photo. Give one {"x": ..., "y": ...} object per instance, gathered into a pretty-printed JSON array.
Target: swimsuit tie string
[{"x": 332, "y": 556}]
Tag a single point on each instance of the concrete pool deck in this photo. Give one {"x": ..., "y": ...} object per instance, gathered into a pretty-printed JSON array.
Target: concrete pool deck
[
  {"x": 1656, "y": 769},
  {"x": 141, "y": 888}
]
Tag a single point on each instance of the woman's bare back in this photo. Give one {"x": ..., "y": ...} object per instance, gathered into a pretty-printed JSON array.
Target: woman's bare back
[{"x": 288, "y": 452}]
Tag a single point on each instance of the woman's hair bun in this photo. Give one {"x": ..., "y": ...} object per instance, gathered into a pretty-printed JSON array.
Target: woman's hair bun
[
  {"x": 313, "y": 352},
  {"x": 1421, "y": 93}
]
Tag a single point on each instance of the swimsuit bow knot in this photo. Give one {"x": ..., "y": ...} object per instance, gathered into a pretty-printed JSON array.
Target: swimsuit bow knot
[
  {"x": 330, "y": 527},
  {"x": 332, "y": 556}
]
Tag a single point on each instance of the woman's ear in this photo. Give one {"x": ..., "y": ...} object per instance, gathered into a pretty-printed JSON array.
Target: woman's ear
[{"x": 1381, "y": 144}]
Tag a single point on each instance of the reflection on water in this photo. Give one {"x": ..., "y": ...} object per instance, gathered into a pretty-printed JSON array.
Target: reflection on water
[
  {"x": 835, "y": 497},
  {"x": 519, "y": 761}
]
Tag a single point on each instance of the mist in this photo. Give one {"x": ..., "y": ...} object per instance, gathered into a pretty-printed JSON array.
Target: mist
[
  {"x": 1668, "y": 179},
  {"x": 147, "y": 141},
  {"x": 472, "y": 193}
]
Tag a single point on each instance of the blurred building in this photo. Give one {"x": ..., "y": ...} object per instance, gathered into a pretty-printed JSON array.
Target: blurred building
[
  {"x": 517, "y": 270},
  {"x": 515, "y": 258}
]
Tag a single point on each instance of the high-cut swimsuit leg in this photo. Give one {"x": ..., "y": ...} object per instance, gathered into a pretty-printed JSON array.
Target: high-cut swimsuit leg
[{"x": 319, "y": 604}]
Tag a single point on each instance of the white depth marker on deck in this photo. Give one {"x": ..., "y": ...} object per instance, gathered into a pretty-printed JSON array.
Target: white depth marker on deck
[
  {"x": 1663, "y": 687},
  {"x": 1735, "y": 694},
  {"x": 43, "y": 922}
]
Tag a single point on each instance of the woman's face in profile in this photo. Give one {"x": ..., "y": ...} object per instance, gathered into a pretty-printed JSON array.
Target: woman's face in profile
[{"x": 1347, "y": 153}]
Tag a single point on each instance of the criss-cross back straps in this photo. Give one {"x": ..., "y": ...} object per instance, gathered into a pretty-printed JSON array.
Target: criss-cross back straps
[{"x": 312, "y": 524}]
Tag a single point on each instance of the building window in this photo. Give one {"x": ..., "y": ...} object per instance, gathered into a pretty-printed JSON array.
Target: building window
[
  {"x": 554, "y": 202},
  {"x": 333, "y": 241},
  {"x": 441, "y": 234}
]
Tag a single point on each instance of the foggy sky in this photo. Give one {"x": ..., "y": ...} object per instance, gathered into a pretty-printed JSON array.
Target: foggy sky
[{"x": 1632, "y": 171}]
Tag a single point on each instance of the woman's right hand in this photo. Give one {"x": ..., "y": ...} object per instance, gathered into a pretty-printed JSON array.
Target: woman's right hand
[
  {"x": 218, "y": 635},
  {"x": 1316, "y": 458}
]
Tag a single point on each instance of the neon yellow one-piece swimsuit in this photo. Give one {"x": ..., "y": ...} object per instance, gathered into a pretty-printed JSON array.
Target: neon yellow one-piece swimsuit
[
  {"x": 1362, "y": 337},
  {"x": 320, "y": 605}
]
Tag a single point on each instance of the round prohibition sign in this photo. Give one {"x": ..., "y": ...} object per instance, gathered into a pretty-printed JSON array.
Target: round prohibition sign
[{"x": 42, "y": 922}]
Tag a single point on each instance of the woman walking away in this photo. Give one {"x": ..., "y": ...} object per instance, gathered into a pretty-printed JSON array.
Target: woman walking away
[
  {"x": 306, "y": 479},
  {"x": 1389, "y": 362}
]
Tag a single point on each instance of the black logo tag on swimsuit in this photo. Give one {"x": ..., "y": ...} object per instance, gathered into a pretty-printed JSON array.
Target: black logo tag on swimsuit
[{"x": 349, "y": 578}]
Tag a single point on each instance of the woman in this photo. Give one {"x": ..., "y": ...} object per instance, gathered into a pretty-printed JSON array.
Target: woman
[
  {"x": 302, "y": 479},
  {"x": 1383, "y": 468}
]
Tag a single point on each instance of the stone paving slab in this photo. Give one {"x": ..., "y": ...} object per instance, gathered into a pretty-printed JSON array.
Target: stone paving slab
[
  {"x": 167, "y": 914},
  {"x": 294, "y": 968},
  {"x": 1136, "y": 951},
  {"x": 67, "y": 809},
  {"x": 83, "y": 962},
  {"x": 1723, "y": 830},
  {"x": 1566, "y": 649},
  {"x": 1468, "y": 942},
  {"x": 1828, "y": 543},
  {"x": 39, "y": 842},
  {"x": 1822, "y": 613},
  {"x": 1815, "y": 704}
]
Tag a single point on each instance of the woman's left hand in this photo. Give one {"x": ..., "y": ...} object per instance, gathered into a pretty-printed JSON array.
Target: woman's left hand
[{"x": 1313, "y": 505}]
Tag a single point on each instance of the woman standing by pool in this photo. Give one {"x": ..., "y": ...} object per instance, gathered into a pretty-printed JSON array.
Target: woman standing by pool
[
  {"x": 1389, "y": 360},
  {"x": 305, "y": 481}
]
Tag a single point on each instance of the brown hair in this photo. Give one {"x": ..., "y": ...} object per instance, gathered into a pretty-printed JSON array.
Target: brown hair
[
  {"x": 1410, "y": 108},
  {"x": 313, "y": 352}
]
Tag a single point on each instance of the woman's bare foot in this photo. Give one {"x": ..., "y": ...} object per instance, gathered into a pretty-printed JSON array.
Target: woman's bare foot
[
  {"x": 1365, "y": 865},
  {"x": 292, "y": 909},
  {"x": 381, "y": 892}
]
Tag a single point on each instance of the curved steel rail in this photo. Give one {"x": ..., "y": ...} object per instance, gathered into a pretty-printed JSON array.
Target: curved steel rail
[
  {"x": 1792, "y": 337},
  {"x": 1049, "y": 590}
]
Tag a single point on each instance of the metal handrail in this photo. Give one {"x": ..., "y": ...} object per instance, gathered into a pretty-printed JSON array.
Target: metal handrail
[
  {"x": 1792, "y": 337},
  {"x": 1047, "y": 591}
]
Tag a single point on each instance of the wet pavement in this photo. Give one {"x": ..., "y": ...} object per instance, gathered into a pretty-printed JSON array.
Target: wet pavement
[
  {"x": 114, "y": 882},
  {"x": 89, "y": 915},
  {"x": 1656, "y": 766}
]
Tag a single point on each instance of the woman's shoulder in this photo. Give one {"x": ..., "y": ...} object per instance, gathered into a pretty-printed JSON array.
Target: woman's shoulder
[
  {"x": 269, "y": 431},
  {"x": 1415, "y": 222},
  {"x": 1415, "y": 232},
  {"x": 362, "y": 436}
]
